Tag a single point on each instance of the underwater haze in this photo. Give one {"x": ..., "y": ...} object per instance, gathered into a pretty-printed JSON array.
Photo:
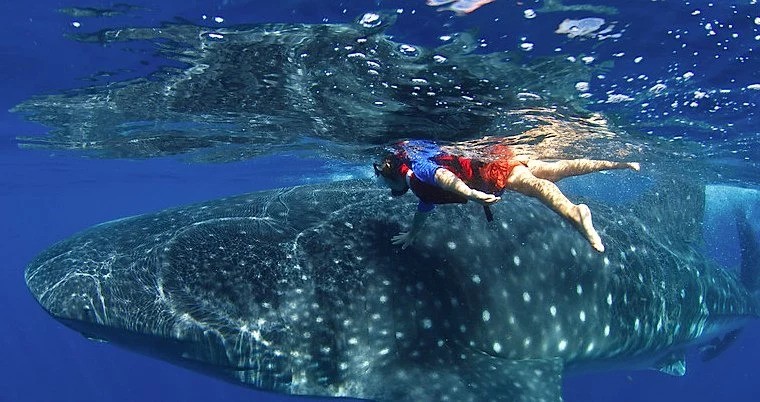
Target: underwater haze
[{"x": 113, "y": 110}]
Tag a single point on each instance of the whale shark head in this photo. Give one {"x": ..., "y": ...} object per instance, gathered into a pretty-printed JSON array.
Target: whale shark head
[{"x": 300, "y": 291}]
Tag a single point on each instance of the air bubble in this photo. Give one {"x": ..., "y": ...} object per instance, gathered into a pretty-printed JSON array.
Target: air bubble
[
  {"x": 370, "y": 20},
  {"x": 408, "y": 50}
]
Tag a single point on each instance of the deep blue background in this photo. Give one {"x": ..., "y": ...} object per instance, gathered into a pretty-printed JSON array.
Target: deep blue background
[{"x": 46, "y": 196}]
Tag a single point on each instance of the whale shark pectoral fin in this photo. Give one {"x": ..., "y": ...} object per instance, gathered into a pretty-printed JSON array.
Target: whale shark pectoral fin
[
  {"x": 718, "y": 345},
  {"x": 673, "y": 364}
]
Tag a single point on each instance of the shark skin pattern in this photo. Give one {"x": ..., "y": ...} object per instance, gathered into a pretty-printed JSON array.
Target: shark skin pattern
[{"x": 300, "y": 291}]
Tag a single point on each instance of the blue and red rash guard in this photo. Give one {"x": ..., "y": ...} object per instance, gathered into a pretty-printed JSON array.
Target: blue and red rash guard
[
  {"x": 424, "y": 159},
  {"x": 429, "y": 194}
]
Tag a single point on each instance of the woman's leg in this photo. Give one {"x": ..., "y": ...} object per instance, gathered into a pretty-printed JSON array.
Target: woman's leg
[
  {"x": 523, "y": 181},
  {"x": 555, "y": 171}
]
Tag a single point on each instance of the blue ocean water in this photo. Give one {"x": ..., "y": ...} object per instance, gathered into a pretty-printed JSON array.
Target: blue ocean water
[{"x": 704, "y": 53}]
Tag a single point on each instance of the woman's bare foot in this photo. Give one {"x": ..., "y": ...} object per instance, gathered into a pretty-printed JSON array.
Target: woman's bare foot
[
  {"x": 634, "y": 166},
  {"x": 587, "y": 227}
]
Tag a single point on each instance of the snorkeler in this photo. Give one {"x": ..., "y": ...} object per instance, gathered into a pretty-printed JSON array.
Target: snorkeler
[{"x": 437, "y": 177}]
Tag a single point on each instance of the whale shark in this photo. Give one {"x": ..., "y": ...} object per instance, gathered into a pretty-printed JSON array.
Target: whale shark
[{"x": 300, "y": 291}]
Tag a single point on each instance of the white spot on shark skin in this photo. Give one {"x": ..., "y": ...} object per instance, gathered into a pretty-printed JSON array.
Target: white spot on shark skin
[
  {"x": 526, "y": 297},
  {"x": 451, "y": 245},
  {"x": 526, "y": 342},
  {"x": 427, "y": 323},
  {"x": 659, "y": 324},
  {"x": 636, "y": 325},
  {"x": 383, "y": 352},
  {"x": 353, "y": 341},
  {"x": 609, "y": 299},
  {"x": 496, "y": 347},
  {"x": 462, "y": 328},
  {"x": 582, "y": 316},
  {"x": 579, "y": 289},
  {"x": 590, "y": 347},
  {"x": 553, "y": 311},
  {"x": 516, "y": 260},
  {"x": 476, "y": 279},
  {"x": 606, "y": 330},
  {"x": 562, "y": 345},
  {"x": 486, "y": 315}
]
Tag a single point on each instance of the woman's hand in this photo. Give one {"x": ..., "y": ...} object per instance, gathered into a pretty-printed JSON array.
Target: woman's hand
[
  {"x": 483, "y": 198},
  {"x": 404, "y": 239}
]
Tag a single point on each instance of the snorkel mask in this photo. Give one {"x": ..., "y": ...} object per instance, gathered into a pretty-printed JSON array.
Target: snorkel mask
[{"x": 390, "y": 170}]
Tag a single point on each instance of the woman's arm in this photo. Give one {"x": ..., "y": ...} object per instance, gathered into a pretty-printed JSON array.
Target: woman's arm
[{"x": 450, "y": 182}]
